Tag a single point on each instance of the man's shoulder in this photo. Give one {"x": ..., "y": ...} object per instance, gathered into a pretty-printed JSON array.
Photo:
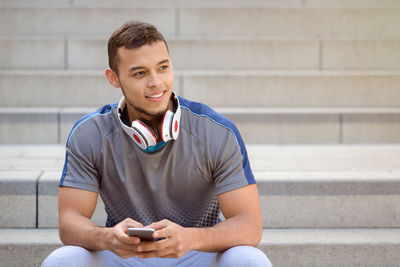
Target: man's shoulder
[
  {"x": 202, "y": 111},
  {"x": 97, "y": 122}
]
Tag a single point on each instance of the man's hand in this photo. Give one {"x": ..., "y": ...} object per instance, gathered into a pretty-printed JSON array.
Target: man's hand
[
  {"x": 176, "y": 244},
  {"x": 118, "y": 241}
]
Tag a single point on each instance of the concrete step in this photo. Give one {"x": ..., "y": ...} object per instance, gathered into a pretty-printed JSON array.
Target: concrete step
[
  {"x": 286, "y": 247},
  {"x": 80, "y": 21},
  {"x": 332, "y": 247},
  {"x": 272, "y": 52},
  {"x": 352, "y": 3},
  {"x": 300, "y": 186},
  {"x": 257, "y": 125},
  {"x": 355, "y": 160},
  {"x": 22, "y": 247},
  {"x": 294, "y": 89},
  {"x": 204, "y": 3},
  {"x": 293, "y": 200},
  {"x": 329, "y": 199},
  {"x": 153, "y": 3},
  {"x": 192, "y": 21},
  {"x": 211, "y": 22}
]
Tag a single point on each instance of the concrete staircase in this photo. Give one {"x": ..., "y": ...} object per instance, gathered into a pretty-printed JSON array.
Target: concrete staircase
[
  {"x": 313, "y": 85},
  {"x": 322, "y": 205},
  {"x": 322, "y": 71}
]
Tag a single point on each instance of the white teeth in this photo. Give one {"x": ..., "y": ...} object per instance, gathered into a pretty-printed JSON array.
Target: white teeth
[{"x": 156, "y": 96}]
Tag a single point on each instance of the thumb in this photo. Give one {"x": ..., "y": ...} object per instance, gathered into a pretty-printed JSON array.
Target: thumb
[
  {"x": 128, "y": 222},
  {"x": 159, "y": 225}
]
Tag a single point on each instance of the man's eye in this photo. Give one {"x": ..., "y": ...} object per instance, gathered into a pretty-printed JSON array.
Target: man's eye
[
  {"x": 138, "y": 74},
  {"x": 164, "y": 67}
]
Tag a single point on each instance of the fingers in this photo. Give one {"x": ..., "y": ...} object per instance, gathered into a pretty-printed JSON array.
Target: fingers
[
  {"x": 152, "y": 246},
  {"x": 162, "y": 233},
  {"x": 161, "y": 249},
  {"x": 121, "y": 248},
  {"x": 154, "y": 249},
  {"x": 125, "y": 239},
  {"x": 119, "y": 242},
  {"x": 128, "y": 222},
  {"x": 174, "y": 245},
  {"x": 159, "y": 225},
  {"x": 164, "y": 228},
  {"x": 126, "y": 253},
  {"x": 122, "y": 229},
  {"x": 128, "y": 240}
]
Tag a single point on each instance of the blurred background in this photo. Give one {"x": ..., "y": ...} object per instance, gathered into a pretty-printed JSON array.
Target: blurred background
[{"x": 313, "y": 86}]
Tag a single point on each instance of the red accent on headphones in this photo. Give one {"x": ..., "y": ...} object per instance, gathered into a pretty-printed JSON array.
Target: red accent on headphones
[
  {"x": 137, "y": 139},
  {"x": 149, "y": 129},
  {"x": 143, "y": 135}
]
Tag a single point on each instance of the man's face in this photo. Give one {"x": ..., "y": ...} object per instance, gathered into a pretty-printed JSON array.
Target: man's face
[{"x": 146, "y": 79}]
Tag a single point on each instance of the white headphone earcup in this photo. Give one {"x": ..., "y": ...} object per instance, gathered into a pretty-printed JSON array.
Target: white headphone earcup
[
  {"x": 166, "y": 126},
  {"x": 138, "y": 139},
  {"x": 142, "y": 135},
  {"x": 175, "y": 126}
]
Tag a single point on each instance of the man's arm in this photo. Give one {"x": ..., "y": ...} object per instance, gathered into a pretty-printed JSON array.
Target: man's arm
[
  {"x": 75, "y": 208},
  {"x": 242, "y": 226}
]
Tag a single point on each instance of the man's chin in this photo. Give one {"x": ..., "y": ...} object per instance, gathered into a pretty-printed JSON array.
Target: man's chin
[{"x": 151, "y": 114}]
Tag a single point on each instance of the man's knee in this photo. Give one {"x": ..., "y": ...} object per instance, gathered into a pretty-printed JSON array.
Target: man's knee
[
  {"x": 244, "y": 256},
  {"x": 68, "y": 256}
]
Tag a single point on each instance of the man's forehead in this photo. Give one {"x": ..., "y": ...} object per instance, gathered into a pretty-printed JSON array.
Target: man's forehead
[
  {"x": 155, "y": 47},
  {"x": 154, "y": 52}
]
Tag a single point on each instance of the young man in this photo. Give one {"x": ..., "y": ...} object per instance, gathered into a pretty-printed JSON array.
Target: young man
[{"x": 158, "y": 161}]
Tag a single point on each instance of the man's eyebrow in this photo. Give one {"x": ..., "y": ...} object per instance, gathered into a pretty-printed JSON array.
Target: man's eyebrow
[
  {"x": 135, "y": 68},
  {"x": 139, "y": 67},
  {"x": 163, "y": 61}
]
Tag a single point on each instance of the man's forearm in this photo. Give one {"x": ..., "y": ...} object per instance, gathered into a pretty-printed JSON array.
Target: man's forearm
[
  {"x": 236, "y": 231},
  {"x": 80, "y": 231}
]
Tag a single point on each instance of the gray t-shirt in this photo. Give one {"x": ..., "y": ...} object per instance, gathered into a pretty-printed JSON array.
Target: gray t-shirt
[{"x": 178, "y": 181}]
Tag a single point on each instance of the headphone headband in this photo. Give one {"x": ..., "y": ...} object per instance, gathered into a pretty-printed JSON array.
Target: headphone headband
[{"x": 143, "y": 135}]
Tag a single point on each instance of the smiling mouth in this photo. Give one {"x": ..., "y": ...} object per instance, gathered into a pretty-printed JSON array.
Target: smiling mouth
[{"x": 156, "y": 96}]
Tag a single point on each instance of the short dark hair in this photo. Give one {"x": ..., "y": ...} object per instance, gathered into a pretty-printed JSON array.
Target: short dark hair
[{"x": 132, "y": 34}]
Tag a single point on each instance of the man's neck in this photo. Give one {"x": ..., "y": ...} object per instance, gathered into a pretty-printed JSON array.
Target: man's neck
[{"x": 151, "y": 121}]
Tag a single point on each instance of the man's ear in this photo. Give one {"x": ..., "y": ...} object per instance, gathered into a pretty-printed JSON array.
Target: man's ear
[{"x": 112, "y": 78}]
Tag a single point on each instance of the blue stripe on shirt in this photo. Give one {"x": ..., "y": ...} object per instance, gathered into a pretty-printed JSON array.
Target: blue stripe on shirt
[
  {"x": 101, "y": 111},
  {"x": 203, "y": 110}
]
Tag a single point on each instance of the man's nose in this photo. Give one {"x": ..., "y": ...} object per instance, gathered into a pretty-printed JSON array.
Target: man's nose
[{"x": 155, "y": 80}]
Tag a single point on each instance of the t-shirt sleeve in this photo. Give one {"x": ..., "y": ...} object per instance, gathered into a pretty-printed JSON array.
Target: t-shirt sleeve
[
  {"x": 232, "y": 169},
  {"x": 80, "y": 161}
]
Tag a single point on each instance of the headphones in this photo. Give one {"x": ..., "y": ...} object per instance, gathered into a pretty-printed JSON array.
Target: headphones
[{"x": 143, "y": 135}]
